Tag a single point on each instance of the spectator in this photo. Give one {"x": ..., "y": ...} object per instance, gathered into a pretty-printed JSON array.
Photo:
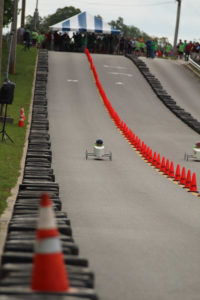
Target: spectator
[
  {"x": 148, "y": 47},
  {"x": 27, "y": 39},
  {"x": 153, "y": 48},
  {"x": 168, "y": 49},
  {"x": 34, "y": 37},
  {"x": 40, "y": 40},
  {"x": 181, "y": 49},
  {"x": 188, "y": 49},
  {"x": 20, "y": 35}
]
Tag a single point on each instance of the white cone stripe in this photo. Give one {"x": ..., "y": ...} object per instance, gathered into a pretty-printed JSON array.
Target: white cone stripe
[
  {"x": 50, "y": 245},
  {"x": 46, "y": 218}
]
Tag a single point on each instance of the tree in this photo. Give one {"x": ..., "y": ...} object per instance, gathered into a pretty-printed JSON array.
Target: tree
[
  {"x": 8, "y": 12},
  {"x": 60, "y": 15},
  {"x": 128, "y": 31},
  {"x": 30, "y": 23}
]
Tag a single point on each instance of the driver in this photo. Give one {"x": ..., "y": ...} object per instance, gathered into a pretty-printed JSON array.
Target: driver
[{"x": 99, "y": 143}]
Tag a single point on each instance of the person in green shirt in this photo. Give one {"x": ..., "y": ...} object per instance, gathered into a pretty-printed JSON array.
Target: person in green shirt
[
  {"x": 168, "y": 49},
  {"x": 34, "y": 38},
  {"x": 181, "y": 49},
  {"x": 40, "y": 39}
]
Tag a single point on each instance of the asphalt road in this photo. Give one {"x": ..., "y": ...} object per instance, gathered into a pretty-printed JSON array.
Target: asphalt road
[
  {"x": 139, "y": 230},
  {"x": 180, "y": 82}
]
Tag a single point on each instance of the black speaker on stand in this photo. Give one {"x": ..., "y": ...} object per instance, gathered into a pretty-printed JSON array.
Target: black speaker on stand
[{"x": 6, "y": 97}]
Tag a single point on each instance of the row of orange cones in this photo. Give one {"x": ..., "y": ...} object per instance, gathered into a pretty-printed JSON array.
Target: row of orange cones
[
  {"x": 21, "y": 118},
  {"x": 165, "y": 167}
]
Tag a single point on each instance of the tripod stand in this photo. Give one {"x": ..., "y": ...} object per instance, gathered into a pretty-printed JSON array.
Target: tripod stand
[{"x": 3, "y": 131}]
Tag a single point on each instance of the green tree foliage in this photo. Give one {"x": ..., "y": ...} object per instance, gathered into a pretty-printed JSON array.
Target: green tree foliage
[
  {"x": 60, "y": 15},
  {"x": 8, "y": 12},
  {"x": 128, "y": 31},
  {"x": 30, "y": 23}
]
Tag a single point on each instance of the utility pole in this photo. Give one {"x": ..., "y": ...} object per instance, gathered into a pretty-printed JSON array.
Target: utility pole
[
  {"x": 1, "y": 29},
  {"x": 177, "y": 25},
  {"x": 23, "y": 13},
  {"x": 36, "y": 16},
  {"x": 13, "y": 39}
]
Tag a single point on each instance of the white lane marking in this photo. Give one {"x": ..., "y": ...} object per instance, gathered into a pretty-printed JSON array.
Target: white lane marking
[
  {"x": 119, "y": 83},
  {"x": 125, "y": 74},
  {"x": 72, "y": 80},
  {"x": 116, "y": 67}
]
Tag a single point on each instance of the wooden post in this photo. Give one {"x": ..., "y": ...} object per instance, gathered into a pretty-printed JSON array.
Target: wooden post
[
  {"x": 1, "y": 29},
  {"x": 14, "y": 43},
  {"x": 23, "y": 13}
]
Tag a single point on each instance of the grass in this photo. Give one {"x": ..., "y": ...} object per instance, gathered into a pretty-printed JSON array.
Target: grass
[{"x": 10, "y": 154}]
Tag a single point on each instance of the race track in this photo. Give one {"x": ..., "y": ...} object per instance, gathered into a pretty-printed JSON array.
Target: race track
[{"x": 139, "y": 230}]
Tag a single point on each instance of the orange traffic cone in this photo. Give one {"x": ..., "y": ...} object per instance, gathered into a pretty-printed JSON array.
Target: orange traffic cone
[
  {"x": 139, "y": 144},
  {"x": 178, "y": 173},
  {"x": 154, "y": 159},
  {"x": 193, "y": 186},
  {"x": 21, "y": 121},
  {"x": 183, "y": 177},
  {"x": 167, "y": 167},
  {"x": 150, "y": 158},
  {"x": 188, "y": 180},
  {"x": 162, "y": 168},
  {"x": 49, "y": 273},
  {"x": 144, "y": 151},
  {"x": 171, "y": 170},
  {"x": 147, "y": 153},
  {"x": 142, "y": 148},
  {"x": 158, "y": 165},
  {"x": 22, "y": 113}
]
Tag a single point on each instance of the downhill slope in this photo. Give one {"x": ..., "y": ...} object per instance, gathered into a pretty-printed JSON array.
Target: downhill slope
[{"x": 139, "y": 230}]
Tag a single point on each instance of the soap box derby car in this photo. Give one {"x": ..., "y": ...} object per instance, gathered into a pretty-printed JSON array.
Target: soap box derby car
[
  {"x": 98, "y": 151},
  {"x": 196, "y": 153}
]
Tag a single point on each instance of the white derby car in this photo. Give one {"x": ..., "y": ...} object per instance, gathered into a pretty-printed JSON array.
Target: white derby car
[
  {"x": 98, "y": 151},
  {"x": 196, "y": 153}
]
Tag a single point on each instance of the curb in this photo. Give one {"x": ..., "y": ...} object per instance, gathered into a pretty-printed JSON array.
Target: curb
[{"x": 6, "y": 215}]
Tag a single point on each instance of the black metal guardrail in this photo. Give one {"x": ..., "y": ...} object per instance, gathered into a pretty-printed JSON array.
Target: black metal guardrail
[
  {"x": 163, "y": 96},
  {"x": 38, "y": 176}
]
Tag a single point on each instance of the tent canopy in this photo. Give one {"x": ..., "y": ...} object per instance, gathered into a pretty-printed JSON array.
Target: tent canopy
[{"x": 84, "y": 22}]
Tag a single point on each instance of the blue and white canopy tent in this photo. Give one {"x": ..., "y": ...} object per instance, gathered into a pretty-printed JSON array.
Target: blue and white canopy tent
[{"x": 84, "y": 22}]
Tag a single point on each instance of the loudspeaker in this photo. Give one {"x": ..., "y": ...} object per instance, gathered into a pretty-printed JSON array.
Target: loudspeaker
[{"x": 7, "y": 92}]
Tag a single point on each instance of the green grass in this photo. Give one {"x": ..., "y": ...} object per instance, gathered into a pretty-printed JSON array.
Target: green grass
[{"x": 10, "y": 154}]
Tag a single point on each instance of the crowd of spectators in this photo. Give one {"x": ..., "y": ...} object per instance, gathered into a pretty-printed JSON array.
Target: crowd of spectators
[
  {"x": 186, "y": 49},
  {"x": 104, "y": 43}
]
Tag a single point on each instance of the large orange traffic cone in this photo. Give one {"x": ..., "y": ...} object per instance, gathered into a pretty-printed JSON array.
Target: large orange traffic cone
[
  {"x": 193, "y": 186},
  {"x": 178, "y": 173},
  {"x": 49, "y": 273}
]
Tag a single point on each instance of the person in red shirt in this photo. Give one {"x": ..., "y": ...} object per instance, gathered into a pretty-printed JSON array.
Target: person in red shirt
[{"x": 188, "y": 49}]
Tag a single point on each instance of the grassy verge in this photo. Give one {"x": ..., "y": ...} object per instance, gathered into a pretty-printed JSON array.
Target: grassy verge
[{"x": 10, "y": 154}]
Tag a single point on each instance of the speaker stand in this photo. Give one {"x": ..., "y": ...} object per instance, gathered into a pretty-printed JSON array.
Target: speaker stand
[{"x": 3, "y": 131}]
